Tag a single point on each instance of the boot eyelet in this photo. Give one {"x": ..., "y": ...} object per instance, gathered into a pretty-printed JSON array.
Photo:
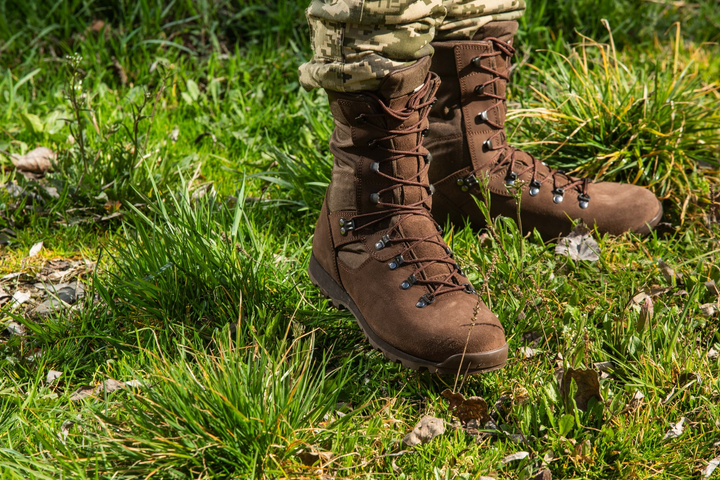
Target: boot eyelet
[
  {"x": 425, "y": 300},
  {"x": 433, "y": 103},
  {"x": 346, "y": 226},
  {"x": 372, "y": 143},
  {"x": 375, "y": 167},
  {"x": 584, "y": 200},
  {"x": 425, "y": 132},
  {"x": 396, "y": 262},
  {"x": 469, "y": 288},
  {"x": 428, "y": 158},
  {"x": 477, "y": 62},
  {"x": 483, "y": 116},
  {"x": 431, "y": 189},
  {"x": 439, "y": 229},
  {"x": 488, "y": 144},
  {"x": 382, "y": 243},
  {"x": 449, "y": 251},
  {"x": 558, "y": 195},
  {"x": 480, "y": 90},
  {"x": 360, "y": 119},
  {"x": 511, "y": 178},
  {"x": 534, "y": 188},
  {"x": 409, "y": 282},
  {"x": 374, "y": 198},
  {"x": 459, "y": 270}
]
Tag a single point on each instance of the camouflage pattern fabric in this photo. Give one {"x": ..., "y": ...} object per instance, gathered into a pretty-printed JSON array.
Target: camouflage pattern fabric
[{"x": 358, "y": 42}]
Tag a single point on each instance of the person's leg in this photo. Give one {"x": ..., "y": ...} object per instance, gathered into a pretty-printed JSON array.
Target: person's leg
[
  {"x": 473, "y": 49},
  {"x": 376, "y": 249}
]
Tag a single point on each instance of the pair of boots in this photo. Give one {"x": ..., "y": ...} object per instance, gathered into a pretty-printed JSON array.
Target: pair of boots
[{"x": 408, "y": 157}]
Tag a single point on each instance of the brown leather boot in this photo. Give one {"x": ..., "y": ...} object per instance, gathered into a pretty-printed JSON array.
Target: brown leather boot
[
  {"x": 467, "y": 139},
  {"x": 378, "y": 252}
]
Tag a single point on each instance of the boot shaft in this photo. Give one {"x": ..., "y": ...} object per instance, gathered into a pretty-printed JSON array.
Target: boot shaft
[{"x": 471, "y": 99}]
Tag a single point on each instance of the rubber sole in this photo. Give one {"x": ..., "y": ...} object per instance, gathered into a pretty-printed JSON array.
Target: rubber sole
[{"x": 468, "y": 363}]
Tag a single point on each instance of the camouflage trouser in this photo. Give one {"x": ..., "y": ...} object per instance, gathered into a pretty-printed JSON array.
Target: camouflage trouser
[{"x": 357, "y": 42}]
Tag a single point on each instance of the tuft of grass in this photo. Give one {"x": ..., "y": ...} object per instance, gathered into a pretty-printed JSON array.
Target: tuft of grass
[{"x": 650, "y": 124}]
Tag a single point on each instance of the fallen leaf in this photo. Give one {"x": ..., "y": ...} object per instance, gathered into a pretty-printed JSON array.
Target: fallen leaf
[
  {"x": 712, "y": 287},
  {"x": 110, "y": 385},
  {"x": 676, "y": 429},
  {"x": 312, "y": 456},
  {"x": 652, "y": 292},
  {"x": 710, "y": 468},
  {"x": 527, "y": 352},
  {"x": 426, "y": 429},
  {"x": 669, "y": 273},
  {"x": 583, "y": 451},
  {"x": 19, "y": 298},
  {"x": 646, "y": 314},
  {"x": 466, "y": 409},
  {"x": 514, "y": 457},
  {"x": 52, "y": 376},
  {"x": 35, "y": 249},
  {"x": 579, "y": 245},
  {"x": 708, "y": 310},
  {"x": 15, "y": 328},
  {"x": 82, "y": 392},
  {"x": 174, "y": 134},
  {"x": 35, "y": 161},
  {"x": 712, "y": 354},
  {"x": 543, "y": 474},
  {"x": 588, "y": 386}
]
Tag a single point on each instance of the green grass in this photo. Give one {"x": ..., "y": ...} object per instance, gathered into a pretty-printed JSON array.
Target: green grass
[{"x": 191, "y": 121}]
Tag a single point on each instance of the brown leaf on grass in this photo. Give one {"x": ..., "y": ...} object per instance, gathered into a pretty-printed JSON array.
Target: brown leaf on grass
[
  {"x": 543, "y": 474},
  {"x": 466, "y": 409},
  {"x": 513, "y": 457},
  {"x": 710, "y": 468},
  {"x": 310, "y": 457},
  {"x": 669, "y": 273},
  {"x": 708, "y": 310},
  {"x": 426, "y": 429},
  {"x": 676, "y": 429},
  {"x": 52, "y": 376},
  {"x": 588, "y": 386},
  {"x": 646, "y": 314},
  {"x": 712, "y": 288},
  {"x": 108, "y": 386},
  {"x": 579, "y": 245},
  {"x": 583, "y": 452},
  {"x": 650, "y": 292},
  {"x": 35, "y": 161}
]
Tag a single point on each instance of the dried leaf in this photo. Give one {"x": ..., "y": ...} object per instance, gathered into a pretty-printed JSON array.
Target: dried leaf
[
  {"x": 19, "y": 298},
  {"x": 466, "y": 409},
  {"x": 426, "y": 429},
  {"x": 676, "y": 429},
  {"x": 35, "y": 249},
  {"x": 583, "y": 451},
  {"x": 527, "y": 352},
  {"x": 312, "y": 456},
  {"x": 543, "y": 474},
  {"x": 52, "y": 376},
  {"x": 710, "y": 285},
  {"x": 712, "y": 354},
  {"x": 669, "y": 273},
  {"x": 588, "y": 386},
  {"x": 35, "y": 161},
  {"x": 82, "y": 392},
  {"x": 646, "y": 314},
  {"x": 650, "y": 292},
  {"x": 710, "y": 468},
  {"x": 16, "y": 329},
  {"x": 174, "y": 134},
  {"x": 708, "y": 310},
  {"x": 579, "y": 245},
  {"x": 514, "y": 457}
]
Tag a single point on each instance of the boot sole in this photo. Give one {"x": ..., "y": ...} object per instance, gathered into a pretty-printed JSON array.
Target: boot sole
[{"x": 468, "y": 363}]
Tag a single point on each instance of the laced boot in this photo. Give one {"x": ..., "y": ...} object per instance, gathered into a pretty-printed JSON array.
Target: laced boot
[
  {"x": 467, "y": 138},
  {"x": 377, "y": 250}
]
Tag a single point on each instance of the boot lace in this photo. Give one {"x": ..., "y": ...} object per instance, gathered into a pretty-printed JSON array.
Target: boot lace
[
  {"x": 507, "y": 156},
  {"x": 420, "y": 102}
]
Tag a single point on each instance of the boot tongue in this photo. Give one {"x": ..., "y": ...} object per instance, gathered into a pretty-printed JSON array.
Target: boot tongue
[{"x": 504, "y": 31}]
